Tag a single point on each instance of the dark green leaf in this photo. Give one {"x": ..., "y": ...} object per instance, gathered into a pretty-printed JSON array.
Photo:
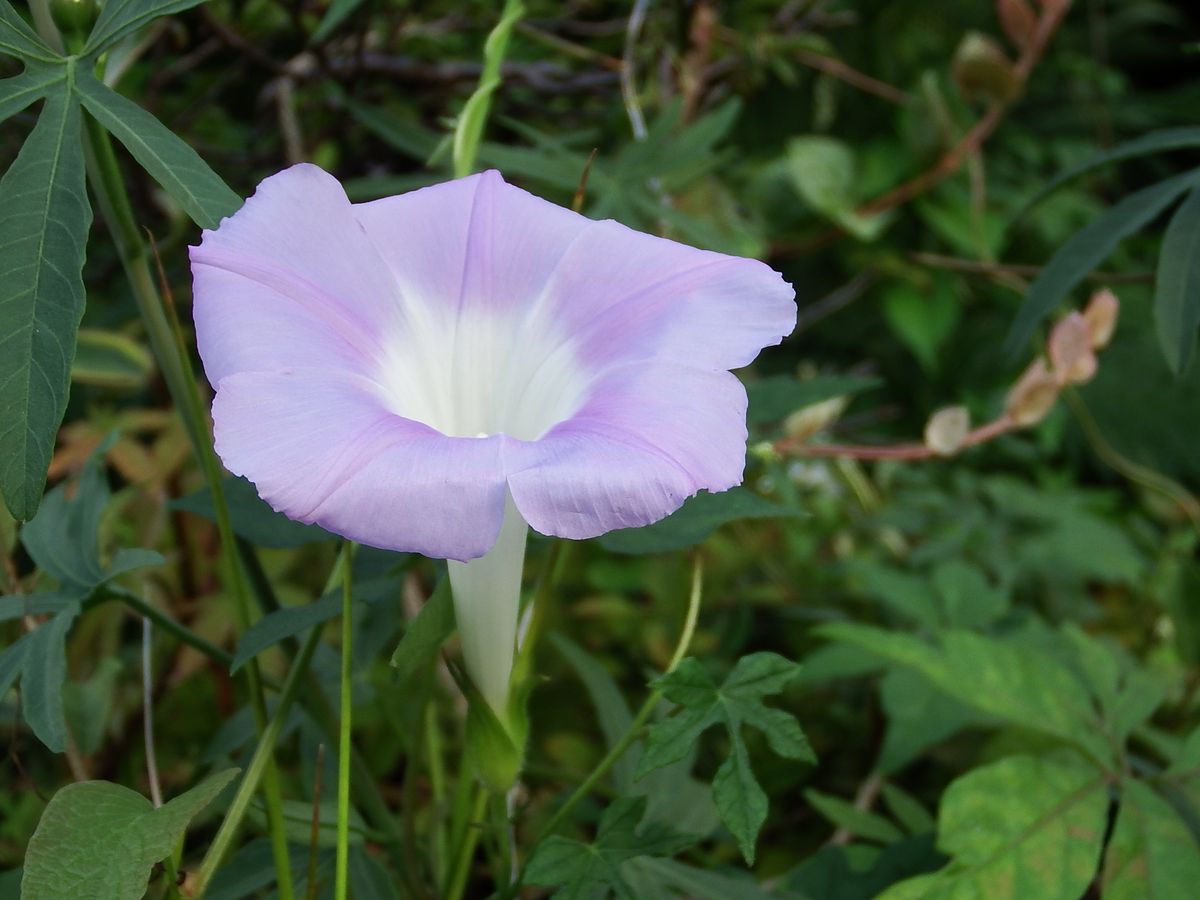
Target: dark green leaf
[
  {"x": 43, "y": 234},
  {"x": 334, "y": 16},
  {"x": 426, "y": 633},
  {"x": 695, "y": 520},
  {"x": 577, "y": 869},
  {"x": 1177, "y": 285},
  {"x": 1154, "y": 142},
  {"x": 42, "y": 679},
  {"x": 121, "y": 17},
  {"x": 19, "y": 40},
  {"x": 736, "y": 702},
  {"x": 1027, "y": 827},
  {"x": 171, "y": 162},
  {"x": 18, "y": 92},
  {"x": 695, "y": 883},
  {"x": 777, "y": 397},
  {"x": 251, "y": 517},
  {"x": 88, "y": 705},
  {"x": 369, "y": 880},
  {"x": 1152, "y": 854},
  {"x": 1089, "y": 247},
  {"x": 12, "y": 660},
  {"x": 100, "y": 840},
  {"x": 833, "y": 873}
]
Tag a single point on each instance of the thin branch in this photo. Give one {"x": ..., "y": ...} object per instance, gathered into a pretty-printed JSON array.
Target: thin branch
[
  {"x": 842, "y": 71},
  {"x": 977, "y": 267},
  {"x": 148, "y": 715}
]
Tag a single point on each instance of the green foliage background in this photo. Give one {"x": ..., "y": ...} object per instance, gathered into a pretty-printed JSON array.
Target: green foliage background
[{"x": 993, "y": 658}]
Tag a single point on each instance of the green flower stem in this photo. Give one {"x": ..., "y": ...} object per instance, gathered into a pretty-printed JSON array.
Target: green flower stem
[
  {"x": 167, "y": 344},
  {"x": 466, "y": 848},
  {"x": 473, "y": 118},
  {"x": 639, "y": 721},
  {"x": 341, "y": 871},
  {"x": 259, "y": 763},
  {"x": 437, "y": 781}
]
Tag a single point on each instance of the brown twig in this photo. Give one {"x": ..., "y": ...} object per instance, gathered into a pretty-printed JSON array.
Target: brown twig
[
  {"x": 900, "y": 452},
  {"x": 1052, "y": 15},
  {"x": 842, "y": 71},
  {"x": 977, "y": 267}
]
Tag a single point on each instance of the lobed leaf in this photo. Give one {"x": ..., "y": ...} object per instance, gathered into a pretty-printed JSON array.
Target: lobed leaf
[
  {"x": 172, "y": 163},
  {"x": 19, "y": 40},
  {"x": 121, "y": 17},
  {"x": 18, "y": 92},
  {"x": 43, "y": 233}
]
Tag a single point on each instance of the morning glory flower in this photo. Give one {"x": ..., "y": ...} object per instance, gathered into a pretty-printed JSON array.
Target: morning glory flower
[{"x": 437, "y": 372}]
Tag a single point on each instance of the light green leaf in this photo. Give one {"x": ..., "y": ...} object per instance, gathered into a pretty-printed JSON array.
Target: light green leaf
[
  {"x": 99, "y": 841},
  {"x": 907, "y": 810},
  {"x": 1013, "y": 682},
  {"x": 1023, "y": 828},
  {"x": 1089, "y": 247},
  {"x": 110, "y": 359},
  {"x": 425, "y": 633},
  {"x": 1152, "y": 855},
  {"x": 577, "y": 869},
  {"x": 335, "y": 15},
  {"x": 736, "y": 702},
  {"x": 19, "y": 40},
  {"x": 859, "y": 822},
  {"x": 694, "y": 521},
  {"x": 919, "y": 715},
  {"x": 473, "y": 117},
  {"x": 171, "y": 162},
  {"x": 824, "y": 172},
  {"x": 121, "y": 17},
  {"x": 18, "y": 92},
  {"x": 43, "y": 234},
  {"x": 1177, "y": 285},
  {"x": 923, "y": 319}
]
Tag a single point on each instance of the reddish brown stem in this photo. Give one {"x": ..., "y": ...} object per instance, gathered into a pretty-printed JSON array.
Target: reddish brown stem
[{"x": 900, "y": 452}]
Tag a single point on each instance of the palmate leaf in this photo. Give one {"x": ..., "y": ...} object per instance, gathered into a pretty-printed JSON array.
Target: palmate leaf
[
  {"x": 738, "y": 701},
  {"x": 18, "y": 92},
  {"x": 1023, "y": 828},
  {"x": 43, "y": 234},
  {"x": 578, "y": 869},
  {"x": 121, "y": 17},
  {"x": 1177, "y": 286},
  {"x": 170, "y": 161},
  {"x": 1089, "y": 247},
  {"x": 18, "y": 39},
  {"x": 99, "y": 841}
]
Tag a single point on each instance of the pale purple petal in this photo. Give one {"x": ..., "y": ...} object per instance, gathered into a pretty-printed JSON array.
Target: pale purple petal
[
  {"x": 650, "y": 436},
  {"x": 321, "y": 448},
  {"x": 290, "y": 273}
]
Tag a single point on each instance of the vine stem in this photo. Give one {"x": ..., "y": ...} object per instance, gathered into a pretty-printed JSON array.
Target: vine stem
[
  {"x": 643, "y": 715},
  {"x": 169, "y": 351},
  {"x": 347, "y": 702},
  {"x": 466, "y": 848}
]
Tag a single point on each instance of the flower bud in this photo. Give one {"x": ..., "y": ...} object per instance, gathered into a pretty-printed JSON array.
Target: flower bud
[
  {"x": 74, "y": 17},
  {"x": 813, "y": 419},
  {"x": 1018, "y": 20},
  {"x": 946, "y": 429},
  {"x": 1033, "y": 396},
  {"x": 1101, "y": 317},
  {"x": 1071, "y": 352},
  {"x": 982, "y": 70}
]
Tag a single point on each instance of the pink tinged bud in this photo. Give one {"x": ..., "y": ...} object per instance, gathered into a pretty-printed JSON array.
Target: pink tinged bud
[
  {"x": 1033, "y": 396},
  {"x": 947, "y": 429},
  {"x": 1018, "y": 20},
  {"x": 1071, "y": 350},
  {"x": 1101, "y": 317},
  {"x": 982, "y": 70}
]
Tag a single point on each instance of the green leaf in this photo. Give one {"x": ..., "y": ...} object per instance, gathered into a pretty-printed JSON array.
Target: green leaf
[
  {"x": 297, "y": 821},
  {"x": 923, "y": 319},
  {"x": 18, "y": 92},
  {"x": 334, "y": 16},
  {"x": 919, "y": 715},
  {"x": 859, "y": 822},
  {"x": 1013, "y": 682},
  {"x": 775, "y": 398},
  {"x": 694, "y": 521},
  {"x": 907, "y": 810},
  {"x": 369, "y": 879},
  {"x": 824, "y": 172},
  {"x": 1152, "y": 854},
  {"x": 64, "y": 537},
  {"x": 121, "y": 17},
  {"x": 42, "y": 679},
  {"x": 736, "y": 702},
  {"x": 112, "y": 360},
  {"x": 577, "y": 869},
  {"x": 99, "y": 841},
  {"x": 425, "y": 634},
  {"x": 469, "y": 131},
  {"x": 43, "y": 234},
  {"x": 695, "y": 883},
  {"x": 89, "y": 704},
  {"x": 170, "y": 161},
  {"x": 1155, "y": 142},
  {"x": 1177, "y": 285},
  {"x": 1023, "y": 828},
  {"x": 19, "y": 40},
  {"x": 1089, "y": 247},
  {"x": 12, "y": 660},
  {"x": 251, "y": 517}
]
